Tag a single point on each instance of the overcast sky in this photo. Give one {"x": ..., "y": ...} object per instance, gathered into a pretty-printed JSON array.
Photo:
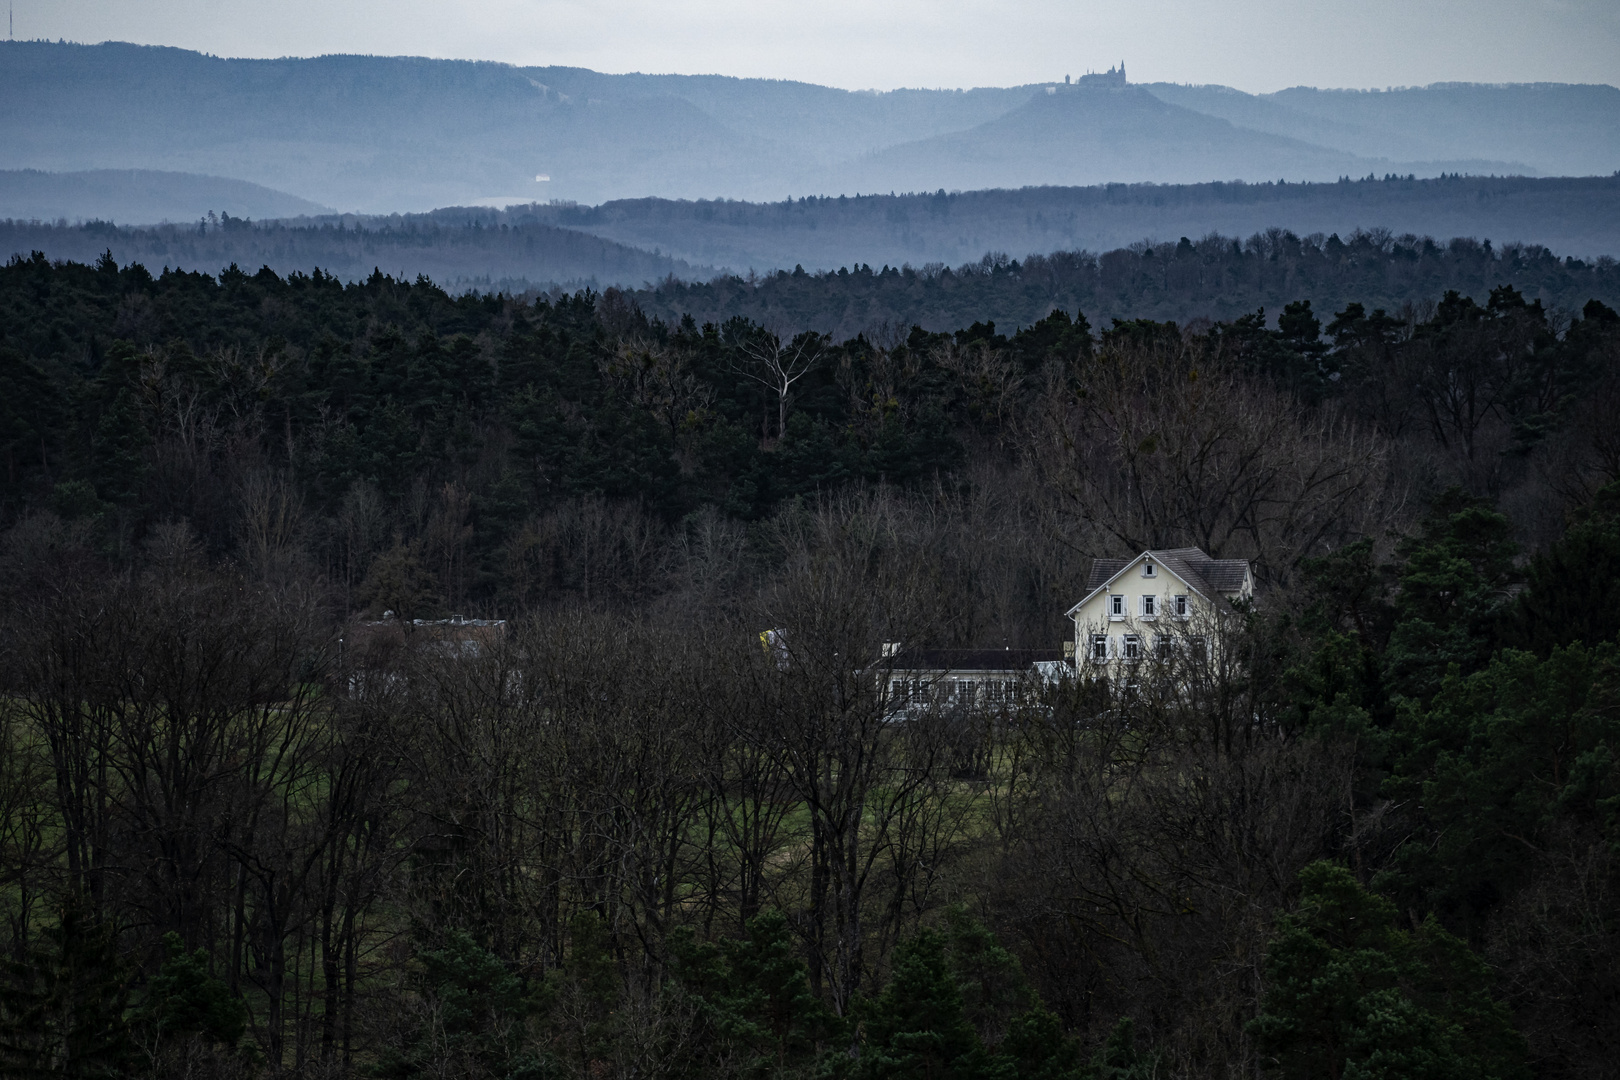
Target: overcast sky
[{"x": 1255, "y": 45}]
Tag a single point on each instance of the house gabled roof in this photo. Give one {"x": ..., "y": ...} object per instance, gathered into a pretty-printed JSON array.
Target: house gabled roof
[{"x": 1206, "y": 576}]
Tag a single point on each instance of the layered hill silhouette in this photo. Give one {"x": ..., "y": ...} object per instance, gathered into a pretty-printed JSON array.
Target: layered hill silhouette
[
  {"x": 637, "y": 242},
  {"x": 141, "y": 195},
  {"x": 461, "y": 255},
  {"x": 387, "y": 134},
  {"x": 1092, "y": 135},
  {"x": 1577, "y": 216},
  {"x": 1551, "y": 128}
]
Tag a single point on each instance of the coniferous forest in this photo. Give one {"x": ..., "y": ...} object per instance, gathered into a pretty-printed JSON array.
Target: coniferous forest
[{"x": 399, "y": 684}]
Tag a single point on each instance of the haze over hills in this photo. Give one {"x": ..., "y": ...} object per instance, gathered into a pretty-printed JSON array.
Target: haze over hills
[
  {"x": 858, "y": 275},
  {"x": 387, "y": 134},
  {"x": 1092, "y": 135},
  {"x": 141, "y": 195},
  {"x": 632, "y": 242},
  {"x": 1550, "y": 128},
  {"x": 1572, "y": 216},
  {"x": 459, "y": 255}
]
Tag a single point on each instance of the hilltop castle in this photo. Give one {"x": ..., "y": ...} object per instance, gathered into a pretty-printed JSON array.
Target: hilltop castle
[{"x": 1111, "y": 77}]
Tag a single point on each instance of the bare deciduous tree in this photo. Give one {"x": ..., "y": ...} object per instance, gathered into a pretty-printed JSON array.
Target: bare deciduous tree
[
  {"x": 777, "y": 366},
  {"x": 1157, "y": 451}
]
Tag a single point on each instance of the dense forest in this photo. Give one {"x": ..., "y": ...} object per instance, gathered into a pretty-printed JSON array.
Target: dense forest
[
  {"x": 256, "y": 819},
  {"x": 1215, "y": 277}
]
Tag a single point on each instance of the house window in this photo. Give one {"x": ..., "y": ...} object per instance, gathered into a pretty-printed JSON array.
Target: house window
[
  {"x": 1148, "y": 570},
  {"x": 1099, "y": 648},
  {"x": 1181, "y": 606},
  {"x": 1116, "y": 607},
  {"x": 1150, "y": 607},
  {"x": 1199, "y": 647},
  {"x": 1133, "y": 647},
  {"x": 1162, "y": 644},
  {"x": 967, "y": 690}
]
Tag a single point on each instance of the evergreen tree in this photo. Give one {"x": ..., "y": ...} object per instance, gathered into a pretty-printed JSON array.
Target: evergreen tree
[
  {"x": 62, "y": 1008},
  {"x": 1572, "y": 590},
  {"x": 474, "y": 1010},
  {"x": 183, "y": 998},
  {"x": 1453, "y": 590},
  {"x": 1119, "y": 1059},
  {"x": 755, "y": 993},
  {"x": 1351, "y": 995},
  {"x": 916, "y": 1028},
  {"x": 1036, "y": 1049}
]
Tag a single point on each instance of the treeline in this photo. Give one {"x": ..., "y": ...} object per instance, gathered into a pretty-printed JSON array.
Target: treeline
[
  {"x": 250, "y": 826},
  {"x": 1214, "y": 277},
  {"x": 462, "y": 252}
]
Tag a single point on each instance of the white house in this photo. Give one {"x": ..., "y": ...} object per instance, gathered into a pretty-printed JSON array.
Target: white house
[{"x": 1157, "y": 605}]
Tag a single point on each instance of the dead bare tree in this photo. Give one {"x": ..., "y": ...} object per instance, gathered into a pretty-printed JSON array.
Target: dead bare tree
[{"x": 777, "y": 365}]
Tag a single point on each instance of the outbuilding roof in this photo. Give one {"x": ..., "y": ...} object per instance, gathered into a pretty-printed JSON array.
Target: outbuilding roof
[{"x": 970, "y": 659}]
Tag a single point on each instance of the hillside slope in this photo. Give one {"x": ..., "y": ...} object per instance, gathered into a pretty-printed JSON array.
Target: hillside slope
[
  {"x": 458, "y": 255},
  {"x": 1085, "y": 135},
  {"x": 1550, "y": 128},
  {"x": 141, "y": 197}
]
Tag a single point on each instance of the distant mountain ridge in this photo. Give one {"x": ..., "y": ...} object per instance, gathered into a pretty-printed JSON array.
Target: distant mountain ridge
[
  {"x": 383, "y": 134},
  {"x": 1549, "y": 128},
  {"x": 1092, "y": 135},
  {"x": 142, "y": 196}
]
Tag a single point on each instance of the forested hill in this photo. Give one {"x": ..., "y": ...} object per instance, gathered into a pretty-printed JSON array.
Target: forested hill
[
  {"x": 460, "y": 251},
  {"x": 389, "y": 384},
  {"x": 1214, "y": 278},
  {"x": 139, "y": 196},
  {"x": 1579, "y": 217}
]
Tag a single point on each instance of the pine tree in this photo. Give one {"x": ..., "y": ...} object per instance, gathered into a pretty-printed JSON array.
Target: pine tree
[
  {"x": 755, "y": 993},
  {"x": 183, "y": 999},
  {"x": 62, "y": 1009},
  {"x": 916, "y": 1029},
  {"x": 1350, "y": 994}
]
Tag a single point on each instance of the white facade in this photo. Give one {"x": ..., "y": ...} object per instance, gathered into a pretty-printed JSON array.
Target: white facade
[{"x": 1157, "y": 607}]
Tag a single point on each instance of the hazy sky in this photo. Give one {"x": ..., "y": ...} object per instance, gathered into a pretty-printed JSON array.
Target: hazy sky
[{"x": 1255, "y": 45}]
